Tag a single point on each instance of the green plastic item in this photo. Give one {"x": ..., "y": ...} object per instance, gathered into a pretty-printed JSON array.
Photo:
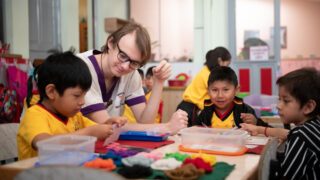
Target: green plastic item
[{"x": 242, "y": 94}]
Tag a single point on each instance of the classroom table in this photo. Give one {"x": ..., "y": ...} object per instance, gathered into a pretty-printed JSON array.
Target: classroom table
[{"x": 246, "y": 165}]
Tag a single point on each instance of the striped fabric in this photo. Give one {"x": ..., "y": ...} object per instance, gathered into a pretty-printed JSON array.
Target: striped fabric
[{"x": 301, "y": 158}]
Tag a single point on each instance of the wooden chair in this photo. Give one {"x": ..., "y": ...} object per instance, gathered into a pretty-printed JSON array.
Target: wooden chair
[
  {"x": 269, "y": 154},
  {"x": 8, "y": 141}
]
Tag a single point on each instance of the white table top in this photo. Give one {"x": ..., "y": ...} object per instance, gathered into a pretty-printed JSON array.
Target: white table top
[{"x": 245, "y": 165}]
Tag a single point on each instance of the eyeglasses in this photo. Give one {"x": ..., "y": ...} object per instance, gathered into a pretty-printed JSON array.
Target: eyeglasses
[{"x": 123, "y": 57}]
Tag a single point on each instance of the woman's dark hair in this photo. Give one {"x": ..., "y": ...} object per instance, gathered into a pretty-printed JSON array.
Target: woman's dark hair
[
  {"x": 213, "y": 57},
  {"x": 304, "y": 85},
  {"x": 64, "y": 70}
]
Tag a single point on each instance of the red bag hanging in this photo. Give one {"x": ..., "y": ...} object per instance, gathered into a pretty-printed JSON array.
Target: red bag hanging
[{"x": 17, "y": 80}]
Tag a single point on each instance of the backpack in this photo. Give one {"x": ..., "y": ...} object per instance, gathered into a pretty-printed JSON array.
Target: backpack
[{"x": 10, "y": 108}]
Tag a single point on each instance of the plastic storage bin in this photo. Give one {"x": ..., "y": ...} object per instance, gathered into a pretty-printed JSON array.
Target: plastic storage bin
[
  {"x": 66, "y": 149},
  {"x": 214, "y": 140}
]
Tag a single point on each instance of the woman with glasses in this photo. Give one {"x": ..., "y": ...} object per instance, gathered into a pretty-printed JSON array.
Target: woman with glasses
[{"x": 116, "y": 81}]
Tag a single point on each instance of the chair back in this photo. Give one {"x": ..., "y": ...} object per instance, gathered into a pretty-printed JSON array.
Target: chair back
[
  {"x": 8, "y": 141},
  {"x": 269, "y": 154}
]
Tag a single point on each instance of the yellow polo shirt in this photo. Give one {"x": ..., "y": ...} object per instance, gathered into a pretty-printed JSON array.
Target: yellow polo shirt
[
  {"x": 38, "y": 120},
  {"x": 129, "y": 114}
]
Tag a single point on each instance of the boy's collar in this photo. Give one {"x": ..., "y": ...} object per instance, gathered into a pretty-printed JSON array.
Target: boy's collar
[{"x": 60, "y": 117}]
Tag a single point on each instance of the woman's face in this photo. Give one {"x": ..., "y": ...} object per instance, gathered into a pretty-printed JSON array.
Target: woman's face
[
  {"x": 224, "y": 63},
  {"x": 122, "y": 57}
]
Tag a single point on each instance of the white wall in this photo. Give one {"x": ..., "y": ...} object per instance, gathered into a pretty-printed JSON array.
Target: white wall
[
  {"x": 70, "y": 24},
  {"x": 103, "y": 9},
  {"x": 17, "y": 27},
  {"x": 204, "y": 39},
  {"x": 170, "y": 23},
  {"x": 303, "y": 25}
]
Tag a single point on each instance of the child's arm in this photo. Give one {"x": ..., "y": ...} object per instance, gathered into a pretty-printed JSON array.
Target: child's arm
[
  {"x": 101, "y": 131},
  {"x": 248, "y": 115},
  {"x": 267, "y": 131},
  {"x": 119, "y": 121}
]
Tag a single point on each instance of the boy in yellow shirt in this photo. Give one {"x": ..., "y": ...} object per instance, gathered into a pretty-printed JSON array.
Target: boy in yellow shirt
[
  {"x": 63, "y": 80},
  {"x": 225, "y": 109},
  {"x": 196, "y": 94}
]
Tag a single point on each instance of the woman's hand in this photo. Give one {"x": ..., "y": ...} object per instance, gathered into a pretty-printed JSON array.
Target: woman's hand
[
  {"x": 162, "y": 71},
  {"x": 179, "y": 120}
]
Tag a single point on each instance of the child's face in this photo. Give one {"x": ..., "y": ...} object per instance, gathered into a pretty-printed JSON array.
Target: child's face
[
  {"x": 70, "y": 103},
  {"x": 289, "y": 108},
  {"x": 222, "y": 94},
  {"x": 149, "y": 82}
]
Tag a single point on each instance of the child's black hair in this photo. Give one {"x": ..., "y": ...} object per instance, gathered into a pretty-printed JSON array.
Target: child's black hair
[
  {"x": 140, "y": 71},
  {"x": 64, "y": 70},
  {"x": 149, "y": 71},
  {"x": 223, "y": 73},
  {"x": 304, "y": 85},
  {"x": 32, "y": 78},
  {"x": 213, "y": 56}
]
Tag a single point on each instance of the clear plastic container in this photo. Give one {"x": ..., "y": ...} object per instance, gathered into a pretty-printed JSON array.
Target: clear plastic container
[
  {"x": 268, "y": 101},
  {"x": 66, "y": 149},
  {"x": 228, "y": 140}
]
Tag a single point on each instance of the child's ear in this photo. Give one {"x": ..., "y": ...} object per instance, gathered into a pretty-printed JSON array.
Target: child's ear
[
  {"x": 51, "y": 91},
  {"x": 237, "y": 89},
  {"x": 309, "y": 107}
]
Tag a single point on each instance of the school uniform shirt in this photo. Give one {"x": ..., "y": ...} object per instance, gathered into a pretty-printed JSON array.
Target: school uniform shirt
[
  {"x": 129, "y": 114},
  {"x": 38, "y": 120},
  {"x": 301, "y": 158},
  {"x": 197, "y": 91},
  {"x": 126, "y": 90},
  {"x": 210, "y": 117}
]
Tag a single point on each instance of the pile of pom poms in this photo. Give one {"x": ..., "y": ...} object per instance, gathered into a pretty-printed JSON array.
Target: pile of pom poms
[{"x": 140, "y": 164}]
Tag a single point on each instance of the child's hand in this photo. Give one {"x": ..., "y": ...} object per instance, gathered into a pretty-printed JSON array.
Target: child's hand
[
  {"x": 252, "y": 129},
  {"x": 118, "y": 121},
  {"x": 179, "y": 120},
  {"x": 101, "y": 131},
  {"x": 162, "y": 72},
  {"x": 248, "y": 118}
]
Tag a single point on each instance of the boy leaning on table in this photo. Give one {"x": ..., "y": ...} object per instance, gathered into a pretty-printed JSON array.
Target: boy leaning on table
[
  {"x": 299, "y": 103},
  {"x": 63, "y": 80},
  {"x": 225, "y": 110}
]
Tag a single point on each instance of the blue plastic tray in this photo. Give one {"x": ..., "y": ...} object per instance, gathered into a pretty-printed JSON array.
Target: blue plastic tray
[{"x": 142, "y": 136}]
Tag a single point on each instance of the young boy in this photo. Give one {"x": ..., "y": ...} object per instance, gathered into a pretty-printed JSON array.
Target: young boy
[
  {"x": 225, "y": 110},
  {"x": 63, "y": 80},
  {"x": 148, "y": 87},
  {"x": 149, "y": 84},
  {"x": 299, "y": 103},
  {"x": 196, "y": 94}
]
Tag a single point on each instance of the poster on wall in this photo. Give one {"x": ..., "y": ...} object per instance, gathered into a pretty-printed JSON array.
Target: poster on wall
[{"x": 259, "y": 53}]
